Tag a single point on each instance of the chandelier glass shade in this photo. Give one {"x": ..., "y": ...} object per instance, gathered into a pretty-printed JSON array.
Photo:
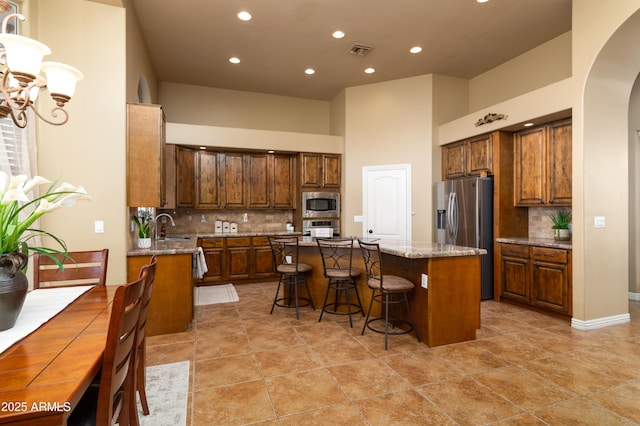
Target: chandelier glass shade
[{"x": 20, "y": 67}]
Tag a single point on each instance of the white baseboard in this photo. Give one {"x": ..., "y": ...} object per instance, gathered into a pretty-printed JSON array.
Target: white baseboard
[
  {"x": 600, "y": 322},
  {"x": 634, "y": 296}
]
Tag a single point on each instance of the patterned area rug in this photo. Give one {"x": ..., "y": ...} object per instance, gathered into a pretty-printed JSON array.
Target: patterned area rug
[
  {"x": 210, "y": 295},
  {"x": 167, "y": 394}
]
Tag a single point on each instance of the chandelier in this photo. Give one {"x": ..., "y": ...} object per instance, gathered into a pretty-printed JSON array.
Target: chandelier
[{"x": 21, "y": 79}]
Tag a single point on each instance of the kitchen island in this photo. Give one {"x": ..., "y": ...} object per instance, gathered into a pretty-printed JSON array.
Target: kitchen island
[
  {"x": 171, "y": 306},
  {"x": 446, "y": 311}
]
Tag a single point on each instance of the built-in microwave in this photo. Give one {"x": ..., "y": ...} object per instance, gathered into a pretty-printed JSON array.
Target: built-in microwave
[{"x": 320, "y": 204}]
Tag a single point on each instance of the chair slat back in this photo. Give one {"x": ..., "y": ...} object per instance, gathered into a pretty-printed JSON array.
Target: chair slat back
[
  {"x": 113, "y": 398},
  {"x": 150, "y": 271},
  {"x": 80, "y": 268},
  {"x": 372, "y": 261},
  {"x": 335, "y": 253}
]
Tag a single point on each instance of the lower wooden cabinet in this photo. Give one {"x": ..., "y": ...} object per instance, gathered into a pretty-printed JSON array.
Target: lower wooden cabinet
[
  {"x": 171, "y": 306},
  {"x": 236, "y": 259},
  {"x": 537, "y": 276}
]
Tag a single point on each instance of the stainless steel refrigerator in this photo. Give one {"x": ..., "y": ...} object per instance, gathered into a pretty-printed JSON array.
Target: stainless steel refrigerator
[{"x": 464, "y": 217}]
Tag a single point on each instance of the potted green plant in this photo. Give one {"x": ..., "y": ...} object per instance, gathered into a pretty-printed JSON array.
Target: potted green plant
[
  {"x": 144, "y": 224},
  {"x": 18, "y": 236},
  {"x": 561, "y": 220}
]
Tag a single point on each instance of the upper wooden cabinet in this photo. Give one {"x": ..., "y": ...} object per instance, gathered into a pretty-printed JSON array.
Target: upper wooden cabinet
[
  {"x": 207, "y": 181},
  {"x": 282, "y": 178},
  {"x": 244, "y": 180},
  {"x": 271, "y": 181},
  {"x": 185, "y": 177},
  {"x": 321, "y": 171},
  {"x": 145, "y": 156},
  {"x": 542, "y": 165},
  {"x": 232, "y": 180},
  {"x": 470, "y": 157}
]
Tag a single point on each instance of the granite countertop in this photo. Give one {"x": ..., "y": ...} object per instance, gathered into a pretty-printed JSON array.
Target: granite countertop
[
  {"x": 407, "y": 249},
  {"x": 538, "y": 242},
  {"x": 414, "y": 249},
  {"x": 181, "y": 245}
]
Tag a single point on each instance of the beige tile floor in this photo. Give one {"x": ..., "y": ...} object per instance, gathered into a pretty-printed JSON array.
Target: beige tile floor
[{"x": 525, "y": 368}]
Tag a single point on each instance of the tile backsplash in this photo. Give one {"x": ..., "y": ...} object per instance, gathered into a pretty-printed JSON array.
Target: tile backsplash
[
  {"x": 196, "y": 221},
  {"x": 539, "y": 222}
]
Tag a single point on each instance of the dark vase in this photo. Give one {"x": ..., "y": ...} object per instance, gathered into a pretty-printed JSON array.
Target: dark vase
[{"x": 13, "y": 288}]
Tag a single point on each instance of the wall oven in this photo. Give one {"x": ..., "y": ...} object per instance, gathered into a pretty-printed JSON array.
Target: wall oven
[
  {"x": 320, "y": 204},
  {"x": 324, "y": 228}
]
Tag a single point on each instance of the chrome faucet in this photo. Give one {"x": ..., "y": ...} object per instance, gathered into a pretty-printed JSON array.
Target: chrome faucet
[{"x": 155, "y": 230}]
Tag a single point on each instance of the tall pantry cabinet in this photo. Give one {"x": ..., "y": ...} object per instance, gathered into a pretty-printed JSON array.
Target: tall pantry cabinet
[{"x": 145, "y": 156}]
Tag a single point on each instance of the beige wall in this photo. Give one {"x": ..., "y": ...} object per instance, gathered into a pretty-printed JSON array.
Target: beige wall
[
  {"x": 139, "y": 65},
  {"x": 231, "y": 108},
  {"x": 390, "y": 123},
  {"x": 634, "y": 191},
  {"x": 230, "y": 137},
  {"x": 90, "y": 149},
  {"x": 605, "y": 66},
  {"x": 539, "y": 67}
]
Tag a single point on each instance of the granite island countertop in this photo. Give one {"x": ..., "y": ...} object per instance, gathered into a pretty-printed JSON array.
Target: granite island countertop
[
  {"x": 537, "y": 242},
  {"x": 414, "y": 249}
]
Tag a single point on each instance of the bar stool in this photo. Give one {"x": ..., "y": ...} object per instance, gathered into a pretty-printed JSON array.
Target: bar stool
[
  {"x": 388, "y": 290},
  {"x": 292, "y": 273},
  {"x": 337, "y": 255}
]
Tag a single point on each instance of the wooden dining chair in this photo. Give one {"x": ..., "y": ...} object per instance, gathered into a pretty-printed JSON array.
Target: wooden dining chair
[
  {"x": 138, "y": 376},
  {"x": 79, "y": 268},
  {"x": 107, "y": 400}
]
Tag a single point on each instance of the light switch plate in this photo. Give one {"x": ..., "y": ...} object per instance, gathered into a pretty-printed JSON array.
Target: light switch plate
[
  {"x": 98, "y": 226},
  {"x": 358, "y": 219},
  {"x": 599, "y": 222}
]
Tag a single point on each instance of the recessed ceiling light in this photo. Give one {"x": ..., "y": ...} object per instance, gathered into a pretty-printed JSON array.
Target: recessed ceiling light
[
  {"x": 337, "y": 34},
  {"x": 234, "y": 60},
  {"x": 415, "y": 49},
  {"x": 244, "y": 15},
  {"x": 528, "y": 124},
  {"x": 309, "y": 71},
  {"x": 370, "y": 70}
]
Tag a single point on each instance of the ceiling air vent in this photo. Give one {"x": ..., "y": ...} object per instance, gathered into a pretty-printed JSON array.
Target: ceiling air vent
[{"x": 359, "y": 49}]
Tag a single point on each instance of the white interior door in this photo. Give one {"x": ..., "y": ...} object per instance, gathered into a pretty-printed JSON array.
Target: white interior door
[{"x": 386, "y": 202}]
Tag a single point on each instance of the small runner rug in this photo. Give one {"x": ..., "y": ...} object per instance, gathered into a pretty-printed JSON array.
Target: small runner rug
[
  {"x": 167, "y": 395},
  {"x": 210, "y": 295}
]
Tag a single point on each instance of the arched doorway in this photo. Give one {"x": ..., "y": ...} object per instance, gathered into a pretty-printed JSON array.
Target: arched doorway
[{"x": 603, "y": 256}]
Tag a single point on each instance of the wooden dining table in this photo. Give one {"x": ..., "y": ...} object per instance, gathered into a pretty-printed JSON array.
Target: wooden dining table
[{"x": 44, "y": 375}]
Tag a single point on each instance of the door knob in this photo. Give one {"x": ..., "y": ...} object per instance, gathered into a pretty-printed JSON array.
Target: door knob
[{"x": 371, "y": 231}]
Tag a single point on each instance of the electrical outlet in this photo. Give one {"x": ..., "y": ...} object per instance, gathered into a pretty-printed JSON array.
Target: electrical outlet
[
  {"x": 287, "y": 259},
  {"x": 425, "y": 281},
  {"x": 203, "y": 219},
  {"x": 599, "y": 222}
]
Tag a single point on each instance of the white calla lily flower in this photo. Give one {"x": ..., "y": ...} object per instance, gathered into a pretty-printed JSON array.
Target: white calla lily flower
[
  {"x": 36, "y": 181},
  {"x": 18, "y": 213}
]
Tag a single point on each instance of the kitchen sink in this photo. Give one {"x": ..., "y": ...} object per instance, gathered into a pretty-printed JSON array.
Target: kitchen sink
[{"x": 178, "y": 238}]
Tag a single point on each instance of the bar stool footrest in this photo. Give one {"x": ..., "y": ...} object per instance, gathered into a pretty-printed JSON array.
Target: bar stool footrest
[{"x": 394, "y": 329}]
